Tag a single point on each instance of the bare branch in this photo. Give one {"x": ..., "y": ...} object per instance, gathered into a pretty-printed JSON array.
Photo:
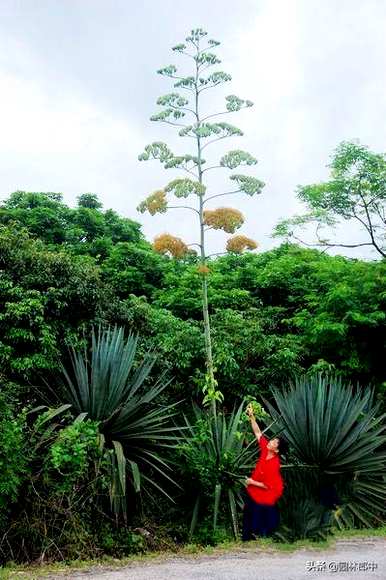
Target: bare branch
[
  {"x": 187, "y": 54},
  {"x": 371, "y": 229},
  {"x": 206, "y": 87},
  {"x": 171, "y": 123},
  {"x": 183, "y": 207},
  {"x": 217, "y": 254},
  {"x": 213, "y": 167},
  {"x": 182, "y": 109},
  {"x": 188, "y": 171},
  {"x": 360, "y": 220},
  {"x": 216, "y": 115},
  {"x": 217, "y": 139},
  {"x": 222, "y": 194},
  {"x": 328, "y": 245},
  {"x": 380, "y": 210}
]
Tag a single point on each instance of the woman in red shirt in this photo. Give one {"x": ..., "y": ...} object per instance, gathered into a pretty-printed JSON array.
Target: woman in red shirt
[{"x": 264, "y": 487}]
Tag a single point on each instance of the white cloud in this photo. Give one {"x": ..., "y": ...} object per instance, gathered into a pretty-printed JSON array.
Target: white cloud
[{"x": 55, "y": 140}]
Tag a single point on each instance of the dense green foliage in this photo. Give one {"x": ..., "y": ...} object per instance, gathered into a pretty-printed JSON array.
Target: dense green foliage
[
  {"x": 12, "y": 454},
  {"x": 275, "y": 315},
  {"x": 86, "y": 229}
]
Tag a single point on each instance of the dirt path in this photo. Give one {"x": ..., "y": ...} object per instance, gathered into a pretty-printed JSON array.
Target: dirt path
[{"x": 367, "y": 558}]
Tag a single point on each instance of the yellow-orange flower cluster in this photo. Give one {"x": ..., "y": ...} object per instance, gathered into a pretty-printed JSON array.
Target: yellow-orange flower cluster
[
  {"x": 154, "y": 203},
  {"x": 168, "y": 244},
  {"x": 238, "y": 244},
  {"x": 224, "y": 218},
  {"x": 203, "y": 269}
]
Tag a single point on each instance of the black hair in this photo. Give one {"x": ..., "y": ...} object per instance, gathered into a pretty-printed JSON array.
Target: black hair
[{"x": 283, "y": 445}]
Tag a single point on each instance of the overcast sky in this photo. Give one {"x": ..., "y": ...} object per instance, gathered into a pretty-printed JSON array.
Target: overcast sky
[{"x": 78, "y": 84}]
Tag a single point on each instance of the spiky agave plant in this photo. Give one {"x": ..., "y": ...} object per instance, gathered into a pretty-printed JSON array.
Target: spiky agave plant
[
  {"x": 107, "y": 386},
  {"x": 337, "y": 432},
  {"x": 217, "y": 458}
]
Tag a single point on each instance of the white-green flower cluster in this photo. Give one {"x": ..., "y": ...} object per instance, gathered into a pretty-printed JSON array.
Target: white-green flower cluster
[
  {"x": 186, "y": 83},
  {"x": 167, "y": 71},
  {"x": 160, "y": 151},
  {"x": 217, "y": 78},
  {"x": 156, "y": 150},
  {"x": 210, "y": 129},
  {"x": 234, "y": 159},
  {"x": 182, "y": 161},
  {"x": 184, "y": 187},
  {"x": 248, "y": 184},
  {"x": 166, "y": 114},
  {"x": 208, "y": 58},
  {"x": 179, "y": 47},
  {"x": 234, "y": 103},
  {"x": 172, "y": 100},
  {"x": 195, "y": 35}
]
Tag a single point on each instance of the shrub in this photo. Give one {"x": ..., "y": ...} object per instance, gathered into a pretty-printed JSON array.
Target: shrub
[
  {"x": 13, "y": 456},
  {"x": 74, "y": 450}
]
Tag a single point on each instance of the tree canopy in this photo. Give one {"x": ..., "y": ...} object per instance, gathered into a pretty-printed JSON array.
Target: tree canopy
[
  {"x": 356, "y": 193},
  {"x": 274, "y": 314}
]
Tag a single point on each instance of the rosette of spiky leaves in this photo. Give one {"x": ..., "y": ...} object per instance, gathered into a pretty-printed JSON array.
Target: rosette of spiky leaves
[
  {"x": 237, "y": 244},
  {"x": 216, "y": 456},
  {"x": 154, "y": 203},
  {"x": 107, "y": 385},
  {"x": 224, "y": 218},
  {"x": 168, "y": 244},
  {"x": 337, "y": 430}
]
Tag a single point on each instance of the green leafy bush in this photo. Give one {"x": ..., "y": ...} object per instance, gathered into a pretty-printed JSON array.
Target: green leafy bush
[
  {"x": 13, "y": 454},
  {"x": 74, "y": 449}
]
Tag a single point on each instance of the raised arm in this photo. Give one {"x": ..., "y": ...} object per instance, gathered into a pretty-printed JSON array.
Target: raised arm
[{"x": 255, "y": 428}]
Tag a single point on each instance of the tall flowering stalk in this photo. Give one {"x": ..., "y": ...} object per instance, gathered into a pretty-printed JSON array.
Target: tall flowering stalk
[{"x": 182, "y": 109}]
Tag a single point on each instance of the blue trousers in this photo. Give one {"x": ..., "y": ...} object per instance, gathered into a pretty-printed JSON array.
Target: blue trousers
[{"x": 258, "y": 519}]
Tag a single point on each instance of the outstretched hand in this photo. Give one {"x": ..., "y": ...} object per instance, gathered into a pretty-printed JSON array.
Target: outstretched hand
[{"x": 249, "y": 411}]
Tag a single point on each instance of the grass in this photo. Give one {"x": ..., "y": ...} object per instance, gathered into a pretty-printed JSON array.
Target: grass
[{"x": 264, "y": 545}]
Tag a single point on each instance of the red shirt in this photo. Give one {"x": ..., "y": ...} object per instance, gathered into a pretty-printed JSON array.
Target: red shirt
[{"x": 268, "y": 472}]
